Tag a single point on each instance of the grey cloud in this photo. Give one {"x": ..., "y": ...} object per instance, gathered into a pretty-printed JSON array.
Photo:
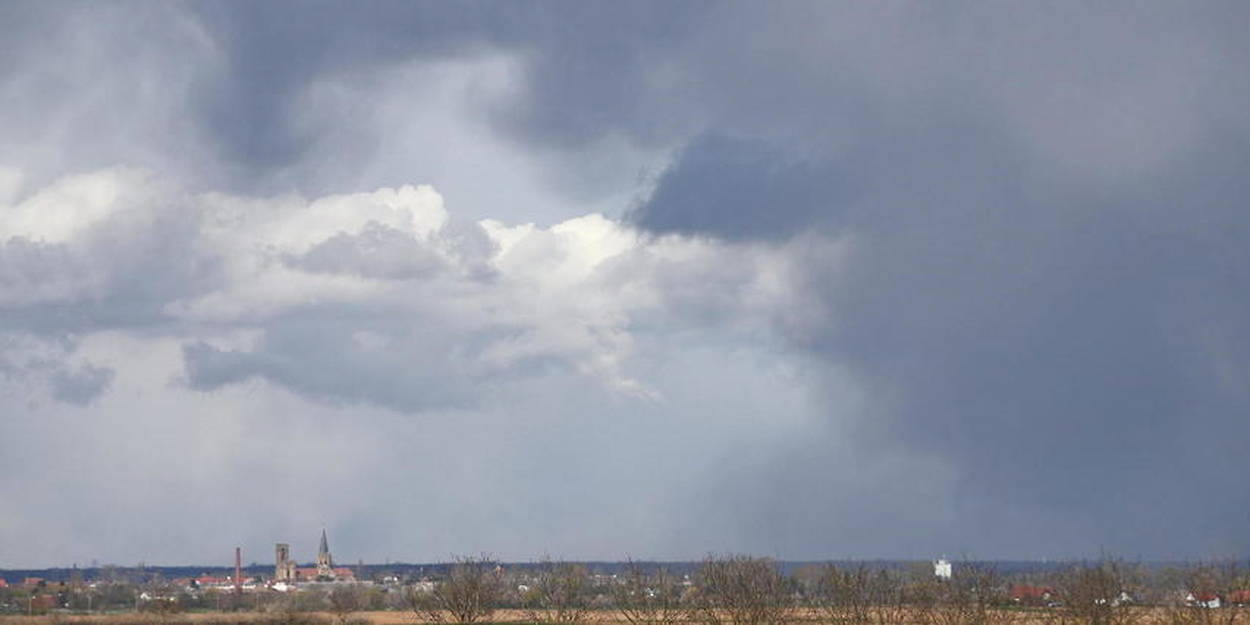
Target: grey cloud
[
  {"x": 90, "y": 86},
  {"x": 569, "y": 98},
  {"x": 340, "y": 357},
  {"x": 81, "y": 386},
  {"x": 470, "y": 247},
  {"x": 120, "y": 272},
  {"x": 38, "y": 367},
  {"x": 599, "y": 78},
  {"x": 31, "y": 271},
  {"x": 742, "y": 188},
  {"x": 372, "y": 355},
  {"x": 377, "y": 252},
  {"x": 208, "y": 368},
  {"x": 382, "y": 252},
  {"x": 229, "y": 112}
]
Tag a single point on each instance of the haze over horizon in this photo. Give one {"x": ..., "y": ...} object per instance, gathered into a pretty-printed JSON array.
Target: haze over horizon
[{"x": 601, "y": 280}]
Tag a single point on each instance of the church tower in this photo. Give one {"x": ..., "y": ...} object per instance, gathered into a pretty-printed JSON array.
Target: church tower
[
  {"x": 325, "y": 564},
  {"x": 284, "y": 566}
]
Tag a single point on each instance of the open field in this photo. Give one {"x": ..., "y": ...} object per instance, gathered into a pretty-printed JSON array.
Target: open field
[
  {"x": 1143, "y": 616},
  {"x": 380, "y": 617}
]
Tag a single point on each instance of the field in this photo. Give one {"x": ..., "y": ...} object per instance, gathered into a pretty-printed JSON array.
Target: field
[
  {"x": 1135, "y": 615},
  {"x": 384, "y": 617},
  {"x": 1142, "y": 616}
]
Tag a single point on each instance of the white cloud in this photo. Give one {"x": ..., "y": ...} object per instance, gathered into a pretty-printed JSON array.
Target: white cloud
[
  {"x": 71, "y": 205},
  {"x": 350, "y": 286}
]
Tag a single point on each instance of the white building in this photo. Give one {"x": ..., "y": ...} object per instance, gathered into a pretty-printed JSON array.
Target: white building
[{"x": 1203, "y": 600}]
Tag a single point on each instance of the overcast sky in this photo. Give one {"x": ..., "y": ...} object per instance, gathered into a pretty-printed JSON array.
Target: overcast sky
[{"x": 601, "y": 280}]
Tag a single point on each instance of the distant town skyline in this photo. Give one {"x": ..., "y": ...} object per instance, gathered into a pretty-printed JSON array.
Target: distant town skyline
[{"x": 596, "y": 280}]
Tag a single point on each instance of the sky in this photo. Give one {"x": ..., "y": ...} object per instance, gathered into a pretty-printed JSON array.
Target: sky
[{"x": 598, "y": 280}]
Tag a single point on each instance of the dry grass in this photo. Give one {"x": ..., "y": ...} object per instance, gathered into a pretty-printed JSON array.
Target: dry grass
[{"x": 1148, "y": 616}]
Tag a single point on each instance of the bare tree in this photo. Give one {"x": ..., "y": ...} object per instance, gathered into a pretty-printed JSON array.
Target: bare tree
[
  {"x": 844, "y": 596},
  {"x": 345, "y": 600},
  {"x": 558, "y": 594},
  {"x": 891, "y": 594},
  {"x": 860, "y": 595},
  {"x": 972, "y": 596},
  {"x": 1097, "y": 594},
  {"x": 470, "y": 592},
  {"x": 648, "y": 597},
  {"x": 739, "y": 590}
]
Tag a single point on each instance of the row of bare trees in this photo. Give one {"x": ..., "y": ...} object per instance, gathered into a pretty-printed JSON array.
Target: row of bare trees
[{"x": 743, "y": 590}]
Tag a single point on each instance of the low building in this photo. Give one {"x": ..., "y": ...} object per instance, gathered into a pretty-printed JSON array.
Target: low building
[
  {"x": 211, "y": 581},
  {"x": 1025, "y": 594},
  {"x": 319, "y": 574},
  {"x": 1203, "y": 599}
]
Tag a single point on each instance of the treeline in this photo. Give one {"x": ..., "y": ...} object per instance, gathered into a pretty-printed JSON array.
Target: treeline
[
  {"x": 721, "y": 590},
  {"x": 743, "y": 590}
]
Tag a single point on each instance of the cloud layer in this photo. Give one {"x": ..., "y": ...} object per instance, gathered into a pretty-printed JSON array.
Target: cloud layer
[{"x": 807, "y": 281}]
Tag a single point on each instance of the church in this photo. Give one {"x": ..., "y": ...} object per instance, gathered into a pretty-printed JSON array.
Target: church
[{"x": 287, "y": 571}]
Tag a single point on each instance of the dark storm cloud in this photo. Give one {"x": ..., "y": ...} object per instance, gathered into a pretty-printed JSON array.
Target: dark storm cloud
[
  {"x": 744, "y": 189},
  {"x": 217, "y": 92},
  {"x": 1065, "y": 351},
  {"x": 273, "y": 54},
  {"x": 1060, "y": 316}
]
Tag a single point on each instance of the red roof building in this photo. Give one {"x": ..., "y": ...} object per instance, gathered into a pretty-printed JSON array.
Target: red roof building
[
  {"x": 1022, "y": 593},
  {"x": 1204, "y": 599},
  {"x": 310, "y": 573}
]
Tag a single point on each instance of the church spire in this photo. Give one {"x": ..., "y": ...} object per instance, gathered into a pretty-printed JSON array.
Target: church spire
[{"x": 325, "y": 563}]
